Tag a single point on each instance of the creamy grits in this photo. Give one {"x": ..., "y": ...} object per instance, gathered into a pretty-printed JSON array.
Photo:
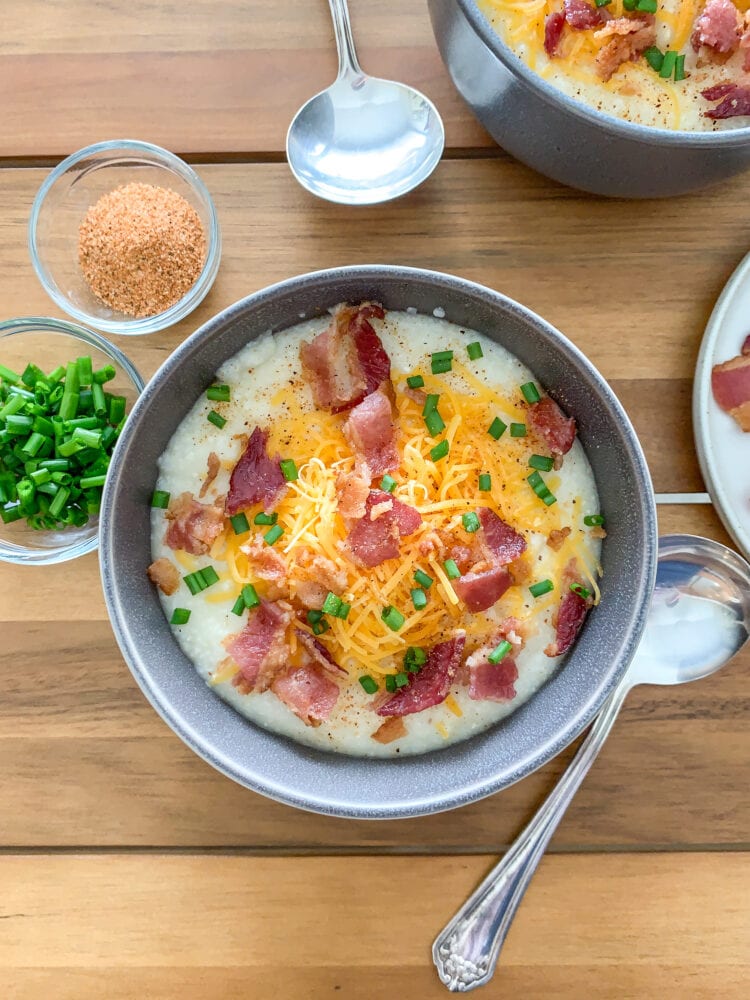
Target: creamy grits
[
  {"x": 268, "y": 389},
  {"x": 673, "y": 64}
]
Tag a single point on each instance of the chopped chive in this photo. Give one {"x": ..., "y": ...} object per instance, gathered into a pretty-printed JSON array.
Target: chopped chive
[
  {"x": 262, "y": 518},
  {"x": 534, "y": 480},
  {"x": 629, "y": 4},
  {"x": 250, "y": 596},
  {"x": 390, "y": 683},
  {"x": 99, "y": 377},
  {"x": 415, "y": 381},
  {"x": 518, "y": 430},
  {"x": 331, "y": 604},
  {"x": 38, "y": 477},
  {"x": 314, "y": 616},
  {"x": 530, "y": 392},
  {"x": 11, "y": 513},
  {"x": 160, "y": 498},
  {"x": 579, "y": 589},
  {"x": 388, "y": 484},
  {"x": 90, "y": 482},
  {"x": 474, "y": 350},
  {"x": 667, "y": 66},
  {"x": 470, "y": 522},
  {"x": 239, "y": 523},
  {"x": 441, "y": 362},
  {"x": 85, "y": 370},
  {"x": 485, "y": 482},
  {"x": 98, "y": 399},
  {"x": 180, "y": 616},
  {"x": 548, "y": 499},
  {"x": 500, "y": 652},
  {"x": 419, "y": 598},
  {"x": 59, "y": 500},
  {"x": 12, "y": 406},
  {"x": 218, "y": 393},
  {"x": 8, "y": 375},
  {"x": 439, "y": 451},
  {"x": 289, "y": 470},
  {"x": 414, "y": 658},
  {"x": 238, "y": 607},
  {"x": 273, "y": 535},
  {"x": 91, "y": 439},
  {"x": 497, "y": 428},
  {"x": 451, "y": 570},
  {"x": 33, "y": 443},
  {"x": 434, "y": 423},
  {"x": 647, "y": 6},
  {"x": 31, "y": 375},
  {"x": 543, "y": 587},
  {"x": 430, "y": 403},
  {"x": 602, "y": 3},
  {"x": 117, "y": 406},
  {"x": 543, "y": 462},
  {"x": 423, "y": 579},
  {"x": 593, "y": 520},
  {"x": 343, "y": 612},
  {"x": 401, "y": 680},
  {"x": 679, "y": 68},
  {"x": 216, "y": 419},
  {"x": 368, "y": 683},
  {"x": 210, "y": 576},
  {"x": 320, "y": 627},
  {"x": 392, "y": 617}
]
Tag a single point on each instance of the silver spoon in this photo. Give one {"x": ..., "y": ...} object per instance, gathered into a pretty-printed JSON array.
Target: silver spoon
[
  {"x": 698, "y": 619},
  {"x": 363, "y": 140}
]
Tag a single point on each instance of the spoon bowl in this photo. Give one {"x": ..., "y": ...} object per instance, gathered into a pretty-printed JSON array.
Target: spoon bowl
[{"x": 363, "y": 140}]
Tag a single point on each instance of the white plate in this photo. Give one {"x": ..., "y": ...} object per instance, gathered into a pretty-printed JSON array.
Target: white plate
[{"x": 723, "y": 449}]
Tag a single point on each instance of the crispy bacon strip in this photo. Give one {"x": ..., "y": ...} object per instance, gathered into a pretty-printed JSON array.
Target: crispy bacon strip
[{"x": 193, "y": 526}]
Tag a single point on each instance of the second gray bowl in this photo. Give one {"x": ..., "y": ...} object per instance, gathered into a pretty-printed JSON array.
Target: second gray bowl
[{"x": 462, "y": 772}]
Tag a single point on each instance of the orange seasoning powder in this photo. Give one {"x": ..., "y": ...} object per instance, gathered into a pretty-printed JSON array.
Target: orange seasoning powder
[{"x": 141, "y": 248}]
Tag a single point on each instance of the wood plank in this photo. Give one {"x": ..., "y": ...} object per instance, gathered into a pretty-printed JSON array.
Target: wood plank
[
  {"x": 82, "y": 749},
  {"x": 676, "y": 926},
  {"x": 209, "y": 79}
]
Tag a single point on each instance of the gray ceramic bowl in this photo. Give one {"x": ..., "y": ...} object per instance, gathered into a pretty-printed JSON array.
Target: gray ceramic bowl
[
  {"x": 323, "y": 781},
  {"x": 568, "y": 140}
]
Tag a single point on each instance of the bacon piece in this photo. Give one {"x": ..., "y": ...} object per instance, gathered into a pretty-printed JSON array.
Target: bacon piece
[
  {"x": 394, "y": 728},
  {"x": 570, "y": 614},
  {"x": 479, "y": 591},
  {"x": 267, "y": 564},
  {"x": 581, "y": 15},
  {"x": 734, "y": 101},
  {"x": 730, "y": 382},
  {"x": 255, "y": 478},
  {"x": 372, "y": 542},
  {"x": 556, "y": 429},
  {"x": 260, "y": 649},
  {"x": 352, "y": 494},
  {"x": 371, "y": 434},
  {"x": 553, "y": 29},
  {"x": 746, "y": 346},
  {"x": 629, "y": 37},
  {"x": 433, "y": 682},
  {"x": 718, "y": 27},
  {"x": 347, "y": 361},
  {"x": 165, "y": 575},
  {"x": 213, "y": 465},
  {"x": 491, "y": 681},
  {"x": 319, "y": 652},
  {"x": 193, "y": 526},
  {"x": 501, "y": 540},
  {"x": 314, "y": 577},
  {"x": 556, "y": 538},
  {"x": 308, "y": 692},
  {"x": 745, "y": 42},
  {"x": 462, "y": 556}
]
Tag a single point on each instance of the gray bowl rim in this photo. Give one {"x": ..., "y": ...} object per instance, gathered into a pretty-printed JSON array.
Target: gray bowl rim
[
  {"x": 427, "y": 804},
  {"x": 647, "y": 134}
]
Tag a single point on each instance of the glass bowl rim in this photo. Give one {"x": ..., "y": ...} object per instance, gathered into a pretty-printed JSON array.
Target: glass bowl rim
[
  {"x": 22, "y": 555},
  {"x": 159, "y": 157}
]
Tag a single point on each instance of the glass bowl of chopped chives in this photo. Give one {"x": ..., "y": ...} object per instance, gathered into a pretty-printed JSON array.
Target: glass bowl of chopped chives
[
  {"x": 65, "y": 393},
  {"x": 124, "y": 236}
]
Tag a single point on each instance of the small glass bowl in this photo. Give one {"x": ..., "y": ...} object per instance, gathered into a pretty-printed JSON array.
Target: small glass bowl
[
  {"x": 49, "y": 343},
  {"x": 62, "y": 202}
]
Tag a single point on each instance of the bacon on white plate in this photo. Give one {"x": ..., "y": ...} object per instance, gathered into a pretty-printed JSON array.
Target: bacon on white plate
[
  {"x": 193, "y": 526},
  {"x": 433, "y": 682},
  {"x": 256, "y": 478},
  {"x": 308, "y": 692},
  {"x": 730, "y": 382},
  {"x": 260, "y": 650},
  {"x": 375, "y": 537},
  {"x": 347, "y": 361},
  {"x": 548, "y": 421},
  {"x": 165, "y": 575},
  {"x": 718, "y": 27},
  {"x": 371, "y": 434}
]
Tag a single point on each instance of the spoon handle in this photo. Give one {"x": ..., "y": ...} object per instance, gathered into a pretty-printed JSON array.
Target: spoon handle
[
  {"x": 342, "y": 29},
  {"x": 466, "y": 950}
]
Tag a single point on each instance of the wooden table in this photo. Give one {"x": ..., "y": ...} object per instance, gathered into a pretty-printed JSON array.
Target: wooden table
[{"x": 128, "y": 867}]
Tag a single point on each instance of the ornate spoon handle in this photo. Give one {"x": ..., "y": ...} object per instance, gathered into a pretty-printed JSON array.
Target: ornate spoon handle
[{"x": 466, "y": 950}]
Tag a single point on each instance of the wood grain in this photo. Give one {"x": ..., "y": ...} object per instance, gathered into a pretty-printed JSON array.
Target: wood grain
[
  {"x": 210, "y": 927},
  {"x": 200, "y": 77}
]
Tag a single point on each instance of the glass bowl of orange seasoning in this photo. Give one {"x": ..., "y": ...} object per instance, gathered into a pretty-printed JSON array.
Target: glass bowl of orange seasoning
[{"x": 124, "y": 236}]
